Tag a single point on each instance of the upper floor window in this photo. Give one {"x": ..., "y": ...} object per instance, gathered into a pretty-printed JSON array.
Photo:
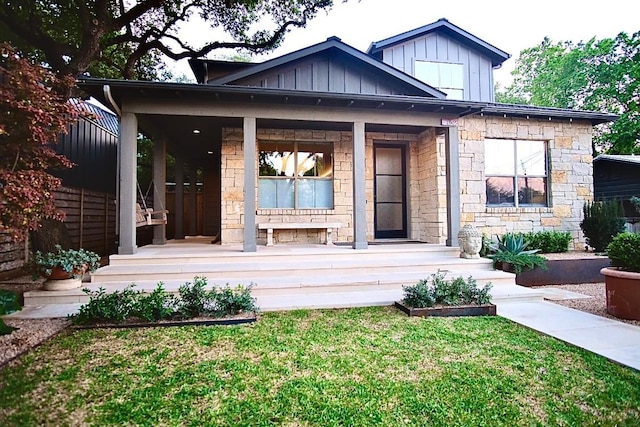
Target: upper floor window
[
  {"x": 295, "y": 175},
  {"x": 516, "y": 167},
  {"x": 449, "y": 78}
]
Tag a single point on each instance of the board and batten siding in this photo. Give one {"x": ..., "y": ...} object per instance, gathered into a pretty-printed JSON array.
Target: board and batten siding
[
  {"x": 478, "y": 71},
  {"x": 326, "y": 73}
]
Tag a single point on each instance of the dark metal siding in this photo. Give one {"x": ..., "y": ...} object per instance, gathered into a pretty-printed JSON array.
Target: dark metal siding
[
  {"x": 478, "y": 69},
  {"x": 327, "y": 73},
  {"x": 616, "y": 180},
  {"x": 93, "y": 149}
]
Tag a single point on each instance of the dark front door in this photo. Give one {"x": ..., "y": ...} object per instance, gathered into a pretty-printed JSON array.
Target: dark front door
[{"x": 390, "y": 210}]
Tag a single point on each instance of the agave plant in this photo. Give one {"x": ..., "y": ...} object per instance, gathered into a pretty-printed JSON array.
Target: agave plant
[
  {"x": 512, "y": 243},
  {"x": 512, "y": 250}
]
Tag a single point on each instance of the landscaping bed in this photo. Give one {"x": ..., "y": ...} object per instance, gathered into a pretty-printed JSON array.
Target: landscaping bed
[{"x": 566, "y": 268}]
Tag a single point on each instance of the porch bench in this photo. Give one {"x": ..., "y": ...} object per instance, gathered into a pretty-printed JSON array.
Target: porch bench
[{"x": 270, "y": 226}]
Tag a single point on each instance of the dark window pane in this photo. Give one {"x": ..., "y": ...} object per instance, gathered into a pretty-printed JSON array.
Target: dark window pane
[
  {"x": 532, "y": 191},
  {"x": 500, "y": 191},
  {"x": 276, "y": 159}
]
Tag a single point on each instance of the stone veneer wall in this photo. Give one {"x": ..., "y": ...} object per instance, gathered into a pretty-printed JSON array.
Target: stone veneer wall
[
  {"x": 233, "y": 183},
  {"x": 570, "y": 175}
]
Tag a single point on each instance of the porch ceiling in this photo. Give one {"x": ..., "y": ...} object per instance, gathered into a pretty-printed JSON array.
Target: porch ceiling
[{"x": 199, "y": 147}]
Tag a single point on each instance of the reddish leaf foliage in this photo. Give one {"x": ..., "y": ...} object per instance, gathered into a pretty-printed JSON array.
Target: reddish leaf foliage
[{"x": 33, "y": 112}]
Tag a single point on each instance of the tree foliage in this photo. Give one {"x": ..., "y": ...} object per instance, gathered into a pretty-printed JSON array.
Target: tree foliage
[
  {"x": 599, "y": 75},
  {"x": 125, "y": 38},
  {"x": 32, "y": 116}
]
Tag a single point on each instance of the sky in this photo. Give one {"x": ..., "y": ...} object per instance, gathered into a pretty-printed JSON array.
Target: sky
[{"x": 508, "y": 25}]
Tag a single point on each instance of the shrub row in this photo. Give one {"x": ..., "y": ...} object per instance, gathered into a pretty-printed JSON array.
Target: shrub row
[
  {"x": 8, "y": 304},
  {"x": 193, "y": 300},
  {"x": 438, "y": 291}
]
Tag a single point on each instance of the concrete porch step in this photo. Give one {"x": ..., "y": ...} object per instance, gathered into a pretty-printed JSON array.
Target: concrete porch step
[
  {"x": 290, "y": 267},
  {"x": 363, "y": 296},
  {"x": 184, "y": 253},
  {"x": 286, "y": 286}
]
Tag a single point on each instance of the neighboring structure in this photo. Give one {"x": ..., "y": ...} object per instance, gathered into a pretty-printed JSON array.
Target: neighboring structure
[
  {"x": 89, "y": 189},
  {"x": 402, "y": 142},
  {"x": 617, "y": 177}
]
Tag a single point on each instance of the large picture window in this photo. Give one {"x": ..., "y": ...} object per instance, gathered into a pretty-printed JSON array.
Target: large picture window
[
  {"x": 295, "y": 175},
  {"x": 516, "y": 168},
  {"x": 441, "y": 75}
]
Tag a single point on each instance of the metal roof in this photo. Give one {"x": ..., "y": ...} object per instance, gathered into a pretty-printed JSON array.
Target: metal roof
[
  {"x": 497, "y": 56},
  {"x": 222, "y": 93},
  {"x": 622, "y": 158},
  {"x": 103, "y": 118}
]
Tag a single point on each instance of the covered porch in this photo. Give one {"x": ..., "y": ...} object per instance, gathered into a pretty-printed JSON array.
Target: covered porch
[{"x": 232, "y": 122}]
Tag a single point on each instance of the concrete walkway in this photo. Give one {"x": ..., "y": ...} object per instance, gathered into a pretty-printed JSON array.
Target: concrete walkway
[
  {"x": 614, "y": 340},
  {"x": 617, "y": 341}
]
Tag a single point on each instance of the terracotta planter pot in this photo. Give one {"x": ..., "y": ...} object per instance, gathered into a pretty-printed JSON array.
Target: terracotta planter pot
[
  {"x": 623, "y": 293},
  {"x": 60, "y": 280}
]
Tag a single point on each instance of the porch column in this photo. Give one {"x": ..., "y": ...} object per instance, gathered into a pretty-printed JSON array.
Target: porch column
[
  {"x": 249, "y": 132},
  {"x": 359, "y": 196},
  {"x": 193, "y": 194},
  {"x": 179, "y": 197},
  {"x": 128, "y": 175},
  {"x": 159, "y": 188},
  {"x": 452, "y": 155}
]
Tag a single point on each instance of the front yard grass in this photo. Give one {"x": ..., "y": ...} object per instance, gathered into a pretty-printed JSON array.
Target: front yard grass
[{"x": 355, "y": 367}]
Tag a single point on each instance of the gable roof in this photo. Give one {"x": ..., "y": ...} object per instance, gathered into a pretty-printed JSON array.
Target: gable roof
[
  {"x": 442, "y": 25},
  {"x": 332, "y": 46}
]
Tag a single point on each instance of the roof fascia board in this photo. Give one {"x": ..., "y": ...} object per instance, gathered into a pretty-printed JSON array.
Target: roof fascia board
[{"x": 440, "y": 24}]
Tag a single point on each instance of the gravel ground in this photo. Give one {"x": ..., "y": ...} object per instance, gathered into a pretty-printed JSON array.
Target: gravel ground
[{"x": 33, "y": 332}]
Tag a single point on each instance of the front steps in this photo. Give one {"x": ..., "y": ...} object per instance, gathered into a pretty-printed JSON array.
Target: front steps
[{"x": 290, "y": 277}]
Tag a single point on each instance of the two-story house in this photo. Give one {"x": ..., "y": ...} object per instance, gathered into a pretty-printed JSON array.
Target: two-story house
[{"x": 403, "y": 141}]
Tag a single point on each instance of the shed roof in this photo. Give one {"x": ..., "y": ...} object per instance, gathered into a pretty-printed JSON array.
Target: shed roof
[
  {"x": 621, "y": 158},
  {"x": 443, "y": 25}
]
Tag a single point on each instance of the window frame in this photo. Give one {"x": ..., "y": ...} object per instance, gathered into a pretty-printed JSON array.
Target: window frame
[
  {"x": 516, "y": 176},
  {"x": 444, "y": 88},
  {"x": 296, "y": 177}
]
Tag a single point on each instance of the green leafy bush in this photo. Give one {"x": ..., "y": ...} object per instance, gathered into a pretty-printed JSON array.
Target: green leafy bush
[
  {"x": 231, "y": 301},
  {"x": 520, "y": 261},
  {"x": 624, "y": 251},
  {"x": 103, "y": 307},
  {"x": 602, "y": 221},
  {"x": 8, "y": 304},
  {"x": 548, "y": 242},
  {"x": 157, "y": 305},
  {"x": 194, "y": 300},
  {"x": 439, "y": 291}
]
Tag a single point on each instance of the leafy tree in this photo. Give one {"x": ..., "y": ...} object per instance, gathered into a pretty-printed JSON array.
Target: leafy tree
[
  {"x": 109, "y": 37},
  {"x": 32, "y": 116},
  {"x": 597, "y": 75}
]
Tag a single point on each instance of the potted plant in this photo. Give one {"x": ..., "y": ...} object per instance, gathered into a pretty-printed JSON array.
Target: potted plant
[
  {"x": 440, "y": 297},
  {"x": 622, "y": 279},
  {"x": 63, "y": 268},
  {"x": 510, "y": 254}
]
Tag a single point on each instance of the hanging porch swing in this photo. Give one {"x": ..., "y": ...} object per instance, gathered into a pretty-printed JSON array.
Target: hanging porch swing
[{"x": 147, "y": 216}]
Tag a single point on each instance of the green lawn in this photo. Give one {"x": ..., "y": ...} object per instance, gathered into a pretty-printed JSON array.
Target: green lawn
[{"x": 357, "y": 367}]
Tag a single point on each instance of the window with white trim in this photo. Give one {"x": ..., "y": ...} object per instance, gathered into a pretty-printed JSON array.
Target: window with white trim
[
  {"x": 447, "y": 77},
  {"x": 295, "y": 175},
  {"x": 516, "y": 167}
]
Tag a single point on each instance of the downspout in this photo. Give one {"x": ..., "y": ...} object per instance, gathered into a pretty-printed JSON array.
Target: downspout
[{"x": 106, "y": 90}]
